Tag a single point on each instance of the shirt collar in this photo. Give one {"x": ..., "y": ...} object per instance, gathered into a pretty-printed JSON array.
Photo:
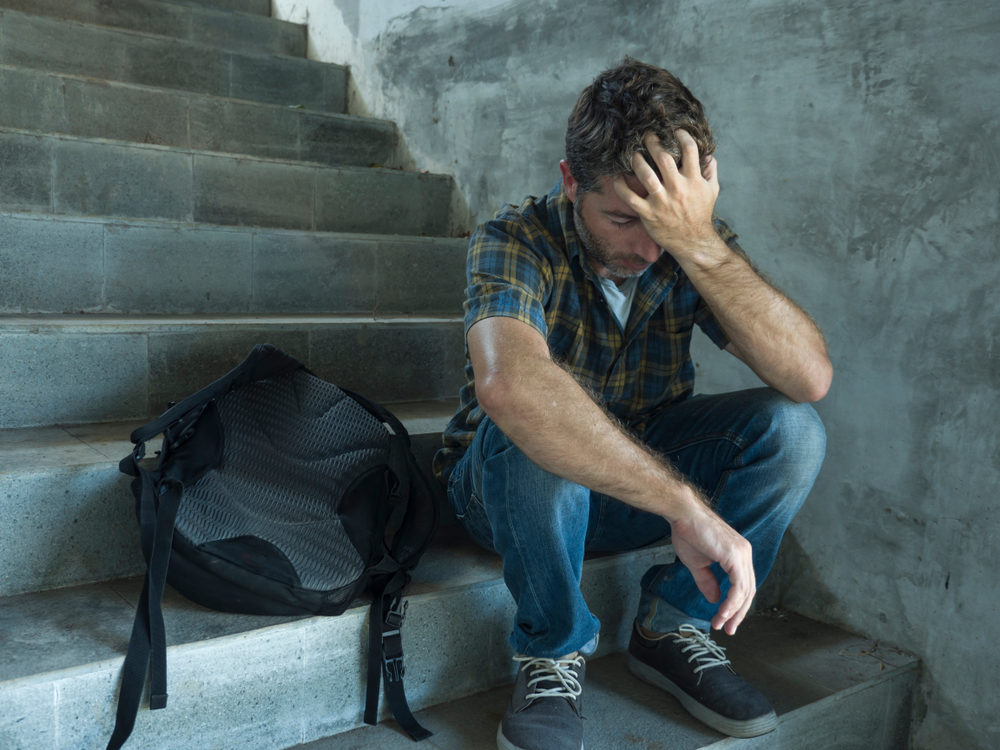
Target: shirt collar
[{"x": 567, "y": 221}]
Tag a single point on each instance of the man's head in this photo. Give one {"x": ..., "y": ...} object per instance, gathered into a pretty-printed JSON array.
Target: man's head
[
  {"x": 613, "y": 114},
  {"x": 607, "y": 126}
]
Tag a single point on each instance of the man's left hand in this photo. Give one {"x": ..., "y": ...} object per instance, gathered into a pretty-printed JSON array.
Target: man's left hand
[{"x": 677, "y": 209}]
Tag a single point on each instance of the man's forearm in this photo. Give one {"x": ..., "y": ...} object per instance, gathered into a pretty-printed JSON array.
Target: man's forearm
[
  {"x": 553, "y": 420},
  {"x": 556, "y": 423},
  {"x": 768, "y": 331}
]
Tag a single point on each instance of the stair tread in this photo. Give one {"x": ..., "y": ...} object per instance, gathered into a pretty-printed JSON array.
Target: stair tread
[
  {"x": 188, "y": 6},
  {"x": 175, "y": 40},
  {"x": 798, "y": 663},
  {"x": 809, "y": 663},
  {"x": 263, "y": 7},
  {"x": 73, "y": 176},
  {"x": 58, "y": 447},
  {"x": 176, "y": 224},
  {"x": 193, "y": 122},
  {"x": 110, "y": 15},
  {"x": 242, "y": 157},
  {"x": 149, "y": 88},
  {"x": 137, "y": 321},
  {"x": 110, "y": 53},
  {"x": 44, "y": 633}
]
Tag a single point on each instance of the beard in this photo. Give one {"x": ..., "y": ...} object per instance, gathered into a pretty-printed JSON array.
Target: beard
[{"x": 598, "y": 253}]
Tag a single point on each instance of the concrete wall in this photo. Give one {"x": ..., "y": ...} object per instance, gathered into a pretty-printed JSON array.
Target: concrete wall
[{"x": 859, "y": 163}]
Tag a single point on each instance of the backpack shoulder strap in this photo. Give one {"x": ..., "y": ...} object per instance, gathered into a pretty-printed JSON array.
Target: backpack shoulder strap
[
  {"x": 385, "y": 657},
  {"x": 148, "y": 643},
  {"x": 385, "y": 621},
  {"x": 420, "y": 519},
  {"x": 264, "y": 360}
]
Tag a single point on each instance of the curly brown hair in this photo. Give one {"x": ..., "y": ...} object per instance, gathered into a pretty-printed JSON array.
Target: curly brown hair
[{"x": 613, "y": 114}]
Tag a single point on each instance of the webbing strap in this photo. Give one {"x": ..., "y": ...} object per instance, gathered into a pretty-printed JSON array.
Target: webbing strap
[
  {"x": 148, "y": 643},
  {"x": 385, "y": 658}
]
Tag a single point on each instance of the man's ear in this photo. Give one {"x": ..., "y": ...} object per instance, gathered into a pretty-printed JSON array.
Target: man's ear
[{"x": 569, "y": 181}]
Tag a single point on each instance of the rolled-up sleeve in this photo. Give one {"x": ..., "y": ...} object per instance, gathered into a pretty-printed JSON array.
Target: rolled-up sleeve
[{"x": 506, "y": 278}]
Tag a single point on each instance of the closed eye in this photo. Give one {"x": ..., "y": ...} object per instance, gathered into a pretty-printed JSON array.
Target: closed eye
[{"x": 624, "y": 224}]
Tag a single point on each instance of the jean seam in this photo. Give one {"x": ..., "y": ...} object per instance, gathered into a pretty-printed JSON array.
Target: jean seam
[
  {"x": 517, "y": 546},
  {"x": 450, "y": 491},
  {"x": 733, "y": 437},
  {"x": 713, "y": 499},
  {"x": 592, "y": 529}
]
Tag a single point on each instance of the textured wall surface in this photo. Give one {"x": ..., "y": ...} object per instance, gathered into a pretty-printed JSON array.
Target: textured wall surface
[{"x": 858, "y": 156}]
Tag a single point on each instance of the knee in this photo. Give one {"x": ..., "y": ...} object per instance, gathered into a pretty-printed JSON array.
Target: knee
[
  {"x": 795, "y": 431},
  {"x": 802, "y": 428}
]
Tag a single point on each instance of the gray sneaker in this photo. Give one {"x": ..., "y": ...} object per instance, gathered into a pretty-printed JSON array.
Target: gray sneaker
[
  {"x": 693, "y": 668},
  {"x": 545, "y": 711}
]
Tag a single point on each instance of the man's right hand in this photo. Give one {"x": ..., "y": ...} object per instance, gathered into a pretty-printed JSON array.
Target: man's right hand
[{"x": 703, "y": 538}]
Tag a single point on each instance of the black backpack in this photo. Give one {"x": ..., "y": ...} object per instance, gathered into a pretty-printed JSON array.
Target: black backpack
[{"x": 276, "y": 492}]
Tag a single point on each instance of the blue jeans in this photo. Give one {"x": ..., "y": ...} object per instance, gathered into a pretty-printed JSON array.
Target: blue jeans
[{"x": 755, "y": 454}]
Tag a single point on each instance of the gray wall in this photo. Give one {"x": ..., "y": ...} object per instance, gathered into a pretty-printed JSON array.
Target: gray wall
[{"x": 858, "y": 155}]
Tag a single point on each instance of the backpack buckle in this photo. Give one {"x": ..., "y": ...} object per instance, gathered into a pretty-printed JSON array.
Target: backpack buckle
[
  {"x": 392, "y": 642},
  {"x": 393, "y": 668},
  {"x": 395, "y": 615}
]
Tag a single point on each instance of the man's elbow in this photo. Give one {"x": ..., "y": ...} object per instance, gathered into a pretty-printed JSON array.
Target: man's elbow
[
  {"x": 817, "y": 385},
  {"x": 496, "y": 395}
]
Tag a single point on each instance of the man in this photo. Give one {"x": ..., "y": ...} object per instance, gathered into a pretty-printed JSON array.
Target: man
[{"x": 578, "y": 431}]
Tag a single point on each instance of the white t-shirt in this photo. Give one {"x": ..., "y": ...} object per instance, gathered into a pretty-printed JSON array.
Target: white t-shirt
[{"x": 619, "y": 297}]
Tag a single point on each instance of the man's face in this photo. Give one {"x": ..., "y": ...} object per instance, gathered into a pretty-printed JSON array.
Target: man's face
[{"x": 614, "y": 240}]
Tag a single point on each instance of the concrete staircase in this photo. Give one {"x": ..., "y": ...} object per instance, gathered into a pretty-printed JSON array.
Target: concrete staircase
[{"x": 177, "y": 184}]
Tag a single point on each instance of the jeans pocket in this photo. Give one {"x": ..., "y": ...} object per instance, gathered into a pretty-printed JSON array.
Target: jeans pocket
[
  {"x": 456, "y": 497},
  {"x": 469, "y": 509}
]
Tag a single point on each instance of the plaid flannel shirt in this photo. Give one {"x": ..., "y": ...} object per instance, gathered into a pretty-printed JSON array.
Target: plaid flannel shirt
[{"x": 526, "y": 263}]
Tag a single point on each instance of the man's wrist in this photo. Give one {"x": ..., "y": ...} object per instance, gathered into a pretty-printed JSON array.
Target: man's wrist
[
  {"x": 705, "y": 254},
  {"x": 682, "y": 499}
]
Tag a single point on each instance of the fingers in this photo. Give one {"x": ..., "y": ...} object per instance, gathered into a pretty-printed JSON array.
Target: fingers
[
  {"x": 691, "y": 164},
  {"x": 690, "y": 160},
  {"x": 707, "y": 584},
  {"x": 705, "y": 538},
  {"x": 733, "y": 610},
  {"x": 710, "y": 171},
  {"x": 644, "y": 171},
  {"x": 627, "y": 194},
  {"x": 664, "y": 159},
  {"x": 743, "y": 587}
]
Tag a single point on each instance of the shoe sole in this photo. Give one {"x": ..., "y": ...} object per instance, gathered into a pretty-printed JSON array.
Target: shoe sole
[
  {"x": 732, "y": 727},
  {"x": 504, "y": 744}
]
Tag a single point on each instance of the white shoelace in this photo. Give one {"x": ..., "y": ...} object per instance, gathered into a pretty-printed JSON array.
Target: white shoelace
[
  {"x": 701, "y": 648},
  {"x": 560, "y": 672}
]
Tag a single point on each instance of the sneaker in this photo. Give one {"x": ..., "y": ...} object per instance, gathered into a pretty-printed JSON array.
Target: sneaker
[
  {"x": 545, "y": 710},
  {"x": 694, "y": 669}
]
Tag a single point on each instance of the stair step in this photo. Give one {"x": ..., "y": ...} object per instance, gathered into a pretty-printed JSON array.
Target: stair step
[
  {"x": 268, "y": 682},
  {"x": 55, "y": 103},
  {"x": 65, "y": 265},
  {"x": 81, "y": 369},
  {"x": 60, "y": 46},
  {"x": 256, "y": 682},
  {"x": 69, "y": 513},
  {"x": 224, "y": 29},
  {"x": 69, "y": 176},
  {"x": 832, "y": 691},
  {"x": 258, "y": 7}
]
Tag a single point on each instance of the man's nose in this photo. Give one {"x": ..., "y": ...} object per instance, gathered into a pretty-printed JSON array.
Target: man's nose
[{"x": 647, "y": 249}]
